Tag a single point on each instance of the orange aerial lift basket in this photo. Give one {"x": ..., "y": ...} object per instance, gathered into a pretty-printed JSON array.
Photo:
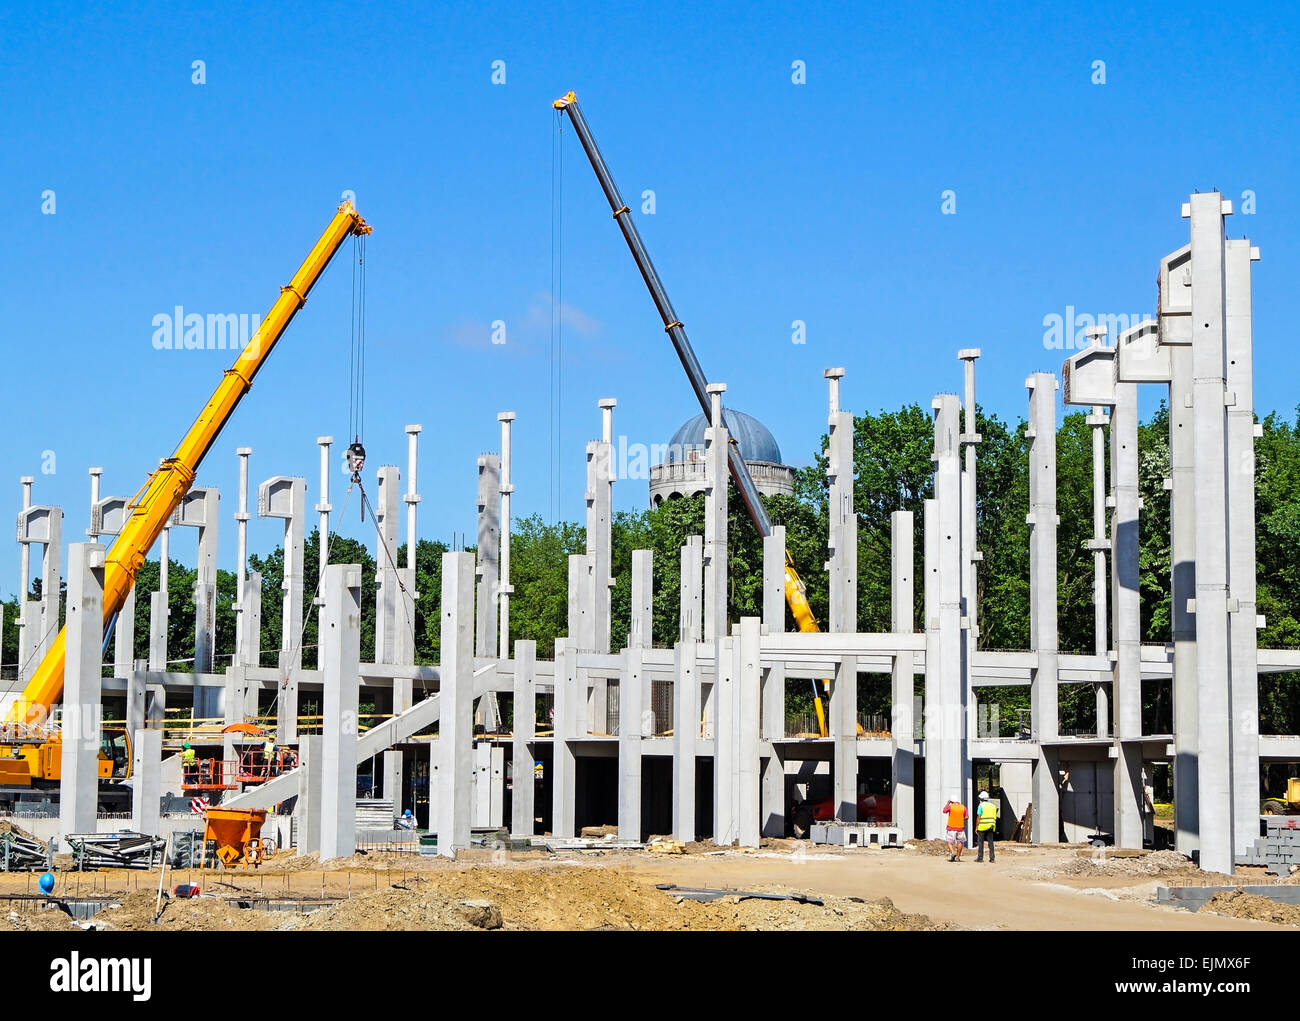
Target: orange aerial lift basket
[{"x": 209, "y": 775}]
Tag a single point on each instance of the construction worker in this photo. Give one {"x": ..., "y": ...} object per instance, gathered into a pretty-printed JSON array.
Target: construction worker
[
  {"x": 187, "y": 761},
  {"x": 956, "y": 835},
  {"x": 986, "y": 825},
  {"x": 268, "y": 753}
]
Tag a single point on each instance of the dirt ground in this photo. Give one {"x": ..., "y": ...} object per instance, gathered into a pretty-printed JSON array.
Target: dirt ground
[{"x": 1028, "y": 887}]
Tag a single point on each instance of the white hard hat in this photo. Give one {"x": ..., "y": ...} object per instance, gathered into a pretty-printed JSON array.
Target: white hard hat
[{"x": 984, "y": 795}]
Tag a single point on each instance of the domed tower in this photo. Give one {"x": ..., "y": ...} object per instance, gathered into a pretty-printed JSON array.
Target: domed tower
[{"x": 681, "y": 472}]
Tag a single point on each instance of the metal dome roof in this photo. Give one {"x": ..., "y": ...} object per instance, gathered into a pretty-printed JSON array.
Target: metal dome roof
[{"x": 751, "y": 436}]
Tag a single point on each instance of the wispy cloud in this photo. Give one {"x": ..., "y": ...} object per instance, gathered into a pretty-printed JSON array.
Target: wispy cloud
[{"x": 526, "y": 331}]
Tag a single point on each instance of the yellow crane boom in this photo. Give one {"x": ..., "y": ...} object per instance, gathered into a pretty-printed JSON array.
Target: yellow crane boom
[{"x": 163, "y": 491}]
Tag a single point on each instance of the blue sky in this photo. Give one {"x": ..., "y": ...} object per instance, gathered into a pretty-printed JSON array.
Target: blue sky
[{"x": 775, "y": 202}]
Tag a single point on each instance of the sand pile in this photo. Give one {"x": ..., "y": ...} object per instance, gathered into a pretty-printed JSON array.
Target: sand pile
[{"x": 1240, "y": 904}]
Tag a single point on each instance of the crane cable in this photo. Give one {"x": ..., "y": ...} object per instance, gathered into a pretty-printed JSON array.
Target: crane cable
[
  {"x": 356, "y": 452},
  {"x": 556, "y": 393}
]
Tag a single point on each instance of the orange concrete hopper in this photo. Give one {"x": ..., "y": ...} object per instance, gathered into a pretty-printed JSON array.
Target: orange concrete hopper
[{"x": 237, "y": 833}]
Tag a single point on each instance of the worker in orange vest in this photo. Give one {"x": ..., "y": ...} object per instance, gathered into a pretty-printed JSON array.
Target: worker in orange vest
[{"x": 956, "y": 835}]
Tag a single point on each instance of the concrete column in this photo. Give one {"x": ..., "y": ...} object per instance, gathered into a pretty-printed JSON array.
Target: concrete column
[
  {"x": 82, "y": 712},
  {"x": 412, "y": 496},
  {"x": 388, "y": 607},
  {"x": 311, "y": 749},
  {"x": 1043, "y": 521},
  {"x": 933, "y": 718},
  {"x": 323, "y": 508},
  {"x": 774, "y": 581},
  {"x": 842, "y": 540},
  {"x": 772, "y": 685},
  {"x": 200, "y": 509},
  {"x": 1214, "y": 671},
  {"x": 135, "y": 699},
  {"x": 1127, "y": 613},
  {"x": 26, "y": 636},
  {"x": 716, "y": 439},
  {"x": 340, "y": 647},
  {"x": 1099, "y": 544},
  {"x": 1242, "y": 620},
  {"x": 634, "y": 724},
  {"x": 51, "y": 562},
  {"x": 970, "y": 554},
  {"x": 523, "y": 807},
  {"x": 393, "y": 781},
  {"x": 249, "y": 623},
  {"x": 691, "y": 619},
  {"x": 124, "y": 636},
  {"x": 599, "y": 499},
  {"x": 902, "y": 682},
  {"x": 241, "y": 531},
  {"x": 40, "y": 622},
  {"x": 748, "y": 680},
  {"x": 569, "y": 701},
  {"x": 946, "y": 731},
  {"x": 146, "y": 771},
  {"x": 1182, "y": 553},
  {"x": 286, "y": 498},
  {"x": 599, "y": 494},
  {"x": 157, "y": 631},
  {"x": 482, "y": 802},
  {"x": 641, "y": 628},
  {"x": 844, "y": 734},
  {"x": 505, "y": 590},
  {"x": 686, "y": 736},
  {"x": 456, "y": 704},
  {"x": 726, "y": 761},
  {"x": 489, "y": 545}
]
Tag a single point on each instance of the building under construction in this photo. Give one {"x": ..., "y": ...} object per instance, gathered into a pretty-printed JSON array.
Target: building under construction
[{"x": 691, "y": 739}]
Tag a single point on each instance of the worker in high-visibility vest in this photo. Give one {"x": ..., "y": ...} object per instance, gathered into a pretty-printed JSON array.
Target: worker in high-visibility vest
[
  {"x": 187, "y": 762},
  {"x": 956, "y": 829},
  {"x": 986, "y": 825}
]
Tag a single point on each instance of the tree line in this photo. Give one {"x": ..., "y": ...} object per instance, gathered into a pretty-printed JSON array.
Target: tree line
[{"x": 893, "y": 471}]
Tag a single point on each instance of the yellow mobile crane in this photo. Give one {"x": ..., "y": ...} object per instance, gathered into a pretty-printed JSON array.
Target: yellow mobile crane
[
  {"x": 796, "y": 595},
  {"x": 30, "y": 750}
]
